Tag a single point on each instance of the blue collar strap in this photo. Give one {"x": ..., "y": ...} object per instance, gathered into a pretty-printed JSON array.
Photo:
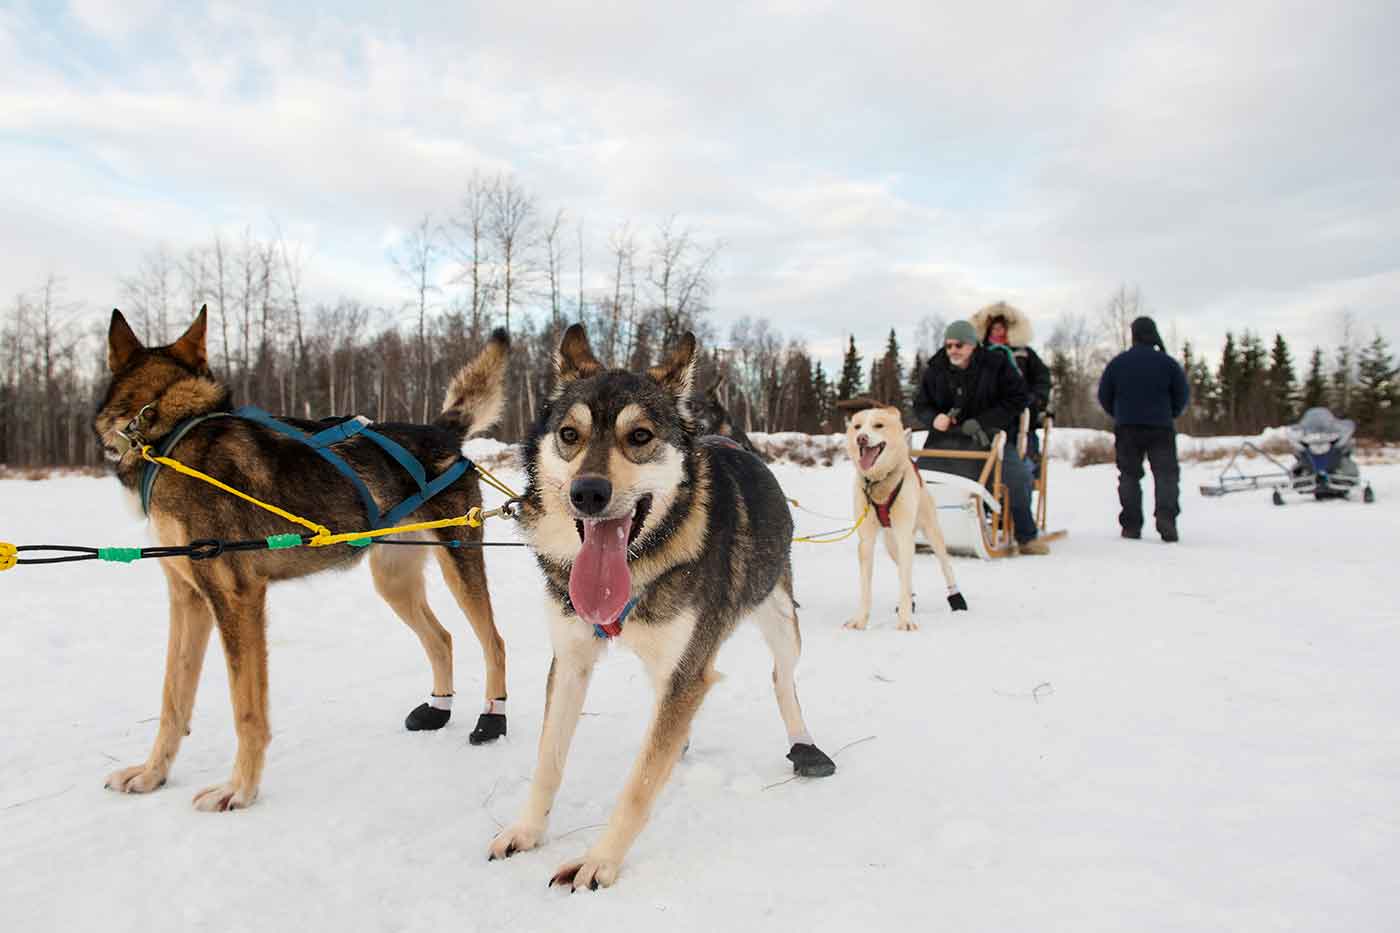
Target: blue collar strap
[
  {"x": 167, "y": 444},
  {"x": 614, "y": 628}
]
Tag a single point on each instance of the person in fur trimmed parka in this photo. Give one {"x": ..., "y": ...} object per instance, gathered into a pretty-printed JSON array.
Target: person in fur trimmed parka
[{"x": 1002, "y": 325}]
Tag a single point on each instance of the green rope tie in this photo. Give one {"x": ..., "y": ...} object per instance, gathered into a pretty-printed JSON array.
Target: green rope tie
[
  {"x": 278, "y": 542},
  {"x": 121, "y": 555}
]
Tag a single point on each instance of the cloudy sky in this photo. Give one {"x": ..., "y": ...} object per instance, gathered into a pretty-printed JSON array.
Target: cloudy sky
[{"x": 864, "y": 164}]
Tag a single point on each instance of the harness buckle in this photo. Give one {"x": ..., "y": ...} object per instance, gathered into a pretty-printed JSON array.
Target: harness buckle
[{"x": 132, "y": 432}]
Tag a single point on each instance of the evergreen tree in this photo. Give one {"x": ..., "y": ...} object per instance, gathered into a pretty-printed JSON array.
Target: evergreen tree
[
  {"x": 1343, "y": 380},
  {"x": 1283, "y": 383},
  {"x": 805, "y": 416},
  {"x": 1227, "y": 380},
  {"x": 1251, "y": 396},
  {"x": 1375, "y": 388},
  {"x": 851, "y": 376},
  {"x": 887, "y": 376},
  {"x": 1193, "y": 407},
  {"x": 1315, "y": 387},
  {"x": 826, "y": 399},
  {"x": 1205, "y": 393},
  {"x": 1066, "y": 379},
  {"x": 916, "y": 375}
]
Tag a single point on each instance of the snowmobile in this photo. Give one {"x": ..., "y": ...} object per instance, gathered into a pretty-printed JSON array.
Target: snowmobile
[{"x": 1322, "y": 463}]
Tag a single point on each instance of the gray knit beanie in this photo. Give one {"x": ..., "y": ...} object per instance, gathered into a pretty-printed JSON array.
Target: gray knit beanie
[{"x": 961, "y": 331}]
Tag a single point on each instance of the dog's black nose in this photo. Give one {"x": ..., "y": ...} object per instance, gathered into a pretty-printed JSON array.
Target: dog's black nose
[{"x": 590, "y": 494}]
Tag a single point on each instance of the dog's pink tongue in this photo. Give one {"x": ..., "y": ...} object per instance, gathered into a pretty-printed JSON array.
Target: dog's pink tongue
[
  {"x": 868, "y": 456},
  {"x": 600, "y": 583}
]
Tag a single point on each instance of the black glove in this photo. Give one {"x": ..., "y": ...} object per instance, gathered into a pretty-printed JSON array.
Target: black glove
[{"x": 972, "y": 429}]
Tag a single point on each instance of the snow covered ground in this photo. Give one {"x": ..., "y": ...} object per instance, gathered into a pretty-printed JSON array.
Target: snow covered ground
[{"x": 1123, "y": 736}]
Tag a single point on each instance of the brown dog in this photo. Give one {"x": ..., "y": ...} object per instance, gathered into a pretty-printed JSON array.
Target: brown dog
[{"x": 154, "y": 390}]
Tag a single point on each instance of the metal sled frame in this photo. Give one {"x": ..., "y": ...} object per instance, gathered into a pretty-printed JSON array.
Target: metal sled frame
[
  {"x": 1233, "y": 479},
  {"x": 984, "y": 505}
]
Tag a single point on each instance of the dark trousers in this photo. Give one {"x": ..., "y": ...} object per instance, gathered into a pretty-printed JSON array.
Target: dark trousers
[{"x": 1132, "y": 442}]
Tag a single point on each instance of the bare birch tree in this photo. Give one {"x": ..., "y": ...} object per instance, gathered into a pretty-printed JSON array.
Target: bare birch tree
[
  {"x": 511, "y": 221},
  {"x": 416, "y": 260}
]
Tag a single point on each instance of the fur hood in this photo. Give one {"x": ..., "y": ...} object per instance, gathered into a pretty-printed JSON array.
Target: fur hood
[{"x": 1018, "y": 326}]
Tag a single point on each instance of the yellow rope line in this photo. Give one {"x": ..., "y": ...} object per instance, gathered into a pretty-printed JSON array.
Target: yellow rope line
[
  {"x": 323, "y": 535},
  {"x": 472, "y": 520},
  {"x": 179, "y": 467},
  {"x": 494, "y": 483},
  {"x": 824, "y": 537}
]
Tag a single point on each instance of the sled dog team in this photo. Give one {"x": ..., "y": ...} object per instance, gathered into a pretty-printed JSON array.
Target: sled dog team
[{"x": 647, "y": 532}]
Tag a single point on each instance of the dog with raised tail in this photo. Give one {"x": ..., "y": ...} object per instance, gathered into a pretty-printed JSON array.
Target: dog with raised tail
[{"x": 168, "y": 398}]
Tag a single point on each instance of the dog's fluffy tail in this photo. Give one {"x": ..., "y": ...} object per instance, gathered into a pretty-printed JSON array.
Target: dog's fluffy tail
[{"x": 477, "y": 393}]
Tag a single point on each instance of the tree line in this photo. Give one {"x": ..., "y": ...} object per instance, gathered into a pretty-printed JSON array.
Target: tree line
[
  {"x": 499, "y": 259},
  {"x": 1253, "y": 383}
]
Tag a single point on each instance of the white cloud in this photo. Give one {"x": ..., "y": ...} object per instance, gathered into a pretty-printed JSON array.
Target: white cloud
[{"x": 864, "y": 166}]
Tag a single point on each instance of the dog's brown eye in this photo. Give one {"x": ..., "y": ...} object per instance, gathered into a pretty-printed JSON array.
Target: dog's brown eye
[
  {"x": 568, "y": 435},
  {"x": 639, "y": 437}
]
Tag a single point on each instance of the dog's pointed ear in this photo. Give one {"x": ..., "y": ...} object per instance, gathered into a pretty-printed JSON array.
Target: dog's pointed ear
[
  {"x": 122, "y": 344},
  {"x": 189, "y": 349},
  {"x": 676, "y": 372},
  {"x": 575, "y": 359}
]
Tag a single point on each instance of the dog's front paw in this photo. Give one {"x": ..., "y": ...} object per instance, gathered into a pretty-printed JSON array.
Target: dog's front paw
[
  {"x": 810, "y": 761},
  {"x": 139, "y": 779},
  {"x": 227, "y": 796},
  {"x": 858, "y": 623},
  {"x": 907, "y": 625},
  {"x": 518, "y": 838},
  {"x": 591, "y": 872}
]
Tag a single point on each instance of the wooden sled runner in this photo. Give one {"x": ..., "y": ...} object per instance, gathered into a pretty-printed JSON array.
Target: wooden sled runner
[{"x": 974, "y": 505}]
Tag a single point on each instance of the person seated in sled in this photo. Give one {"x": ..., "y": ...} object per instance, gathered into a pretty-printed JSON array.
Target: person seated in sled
[
  {"x": 968, "y": 394},
  {"x": 1005, "y": 328}
]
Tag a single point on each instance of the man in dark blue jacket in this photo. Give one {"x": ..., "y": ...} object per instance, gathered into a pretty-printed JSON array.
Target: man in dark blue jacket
[{"x": 1145, "y": 390}]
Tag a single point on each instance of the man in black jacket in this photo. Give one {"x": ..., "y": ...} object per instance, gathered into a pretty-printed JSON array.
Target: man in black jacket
[
  {"x": 969, "y": 391},
  {"x": 1145, "y": 390}
]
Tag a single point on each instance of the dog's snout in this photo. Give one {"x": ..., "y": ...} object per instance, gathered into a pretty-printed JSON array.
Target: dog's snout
[{"x": 590, "y": 494}]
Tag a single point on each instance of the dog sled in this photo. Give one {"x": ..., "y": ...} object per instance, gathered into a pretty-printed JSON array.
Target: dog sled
[
  {"x": 1323, "y": 466},
  {"x": 974, "y": 504}
]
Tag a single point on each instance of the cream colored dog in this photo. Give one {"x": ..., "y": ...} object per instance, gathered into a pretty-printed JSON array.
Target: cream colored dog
[{"x": 890, "y": 494}]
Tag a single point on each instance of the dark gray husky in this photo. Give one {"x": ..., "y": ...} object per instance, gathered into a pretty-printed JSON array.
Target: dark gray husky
[{"x": 662, "y": 540}]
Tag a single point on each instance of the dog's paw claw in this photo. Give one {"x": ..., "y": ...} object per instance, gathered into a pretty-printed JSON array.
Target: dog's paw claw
[
  {"x": 138, "y": 779},
  {"x": 591, "y": 872},
  {"x": 222, "y": 798},
  {"x": 509, "y": 841}
]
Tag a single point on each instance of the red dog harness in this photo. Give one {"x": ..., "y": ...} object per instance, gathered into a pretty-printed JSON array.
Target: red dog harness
[{"x": 882, "y": 509}]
